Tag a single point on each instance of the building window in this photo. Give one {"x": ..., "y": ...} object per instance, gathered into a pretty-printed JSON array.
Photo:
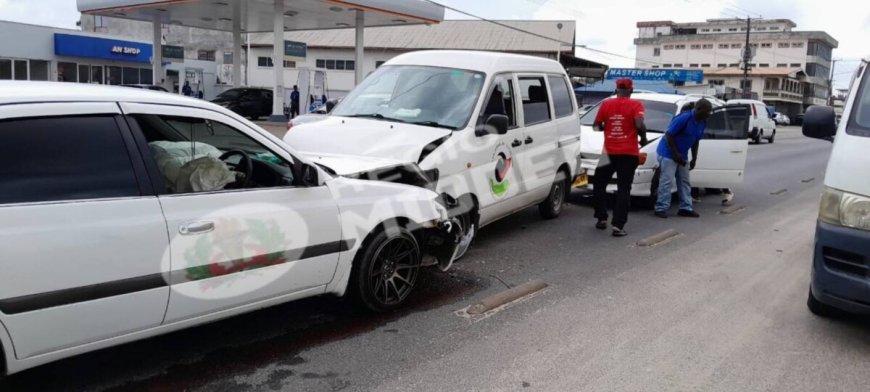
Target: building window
[
  {"x": 669, "y": 47},
  {"x": 797, "y": 44},
  {"x": 114, "y": 75},
  {"x": 655, "y": 66},
  {"x": 265, "y": 62},
  {"x": 775, "y": 28},
  {"x": 228, "y": 57},
  {"x": 205, "y": 55},
  {"x": 693, "y": 65},
  {"x": 20, "y": 69},
  {"x": 717, "y": 82},
  {"x": 667, "y": 65},
  {"x": 762, "y": 29},
  {"x": 781, "y": 65},
  {"x": 795, "y": 65},
  {"x": 705, "y": 65},
  {"x": 736, "y": 46},
  {"x": 678, "y": 65},
  {"x": 101, "y": 22},
  {"x": 746, "y": 84},
  {"x": 783, "y": 45},
  {"x": 764, "y": 65},
  {"x": 657, "y": 52},
  {"x": 705, "y": 30},
  {"x": 131, "y": 75},
  {"x": 717, "y": 30},
  {"x": 766, "y": 45},
  {"x": 378, "y": 64},
  {"x": 733, "y": 65},
  {"x": 680, "y": 47},
  {"x": 341, "y": 65},
  {"x": 722, "y": 65},
  {"x": 753, "y": 45},
  {"x": 708, "y": 46},
  {"x": 732, "y": 29},
  {"x": 743, "y": 29},
  {"x": 39, "y": 70},
  {"x": 5, "y": 69},
  {"x": 723, "y": 46},
  {"x": 67, "y": 72},
  {"x": 289, "y": 64},
  {"x": 695, "y": 47}
]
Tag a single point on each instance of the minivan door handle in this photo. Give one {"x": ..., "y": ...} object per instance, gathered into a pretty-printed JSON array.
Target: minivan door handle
[
  {"x": 516, "y": 143},
  {"x": 529, "y": 140},
  {"x": 196, "y": 228}
]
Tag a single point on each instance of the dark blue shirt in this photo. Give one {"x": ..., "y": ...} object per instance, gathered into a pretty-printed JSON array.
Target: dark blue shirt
[{"x": 685, "y": 131}]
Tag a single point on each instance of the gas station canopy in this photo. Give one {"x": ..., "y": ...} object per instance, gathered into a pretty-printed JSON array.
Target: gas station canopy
[{"x": 258, "y": 15}]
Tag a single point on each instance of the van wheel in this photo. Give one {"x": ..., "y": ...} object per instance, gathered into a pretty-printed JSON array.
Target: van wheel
[
  {"x": 551, "y": 207},
  {"x": 758, "y": 136},
  {"x": 650, "y": 202},
  {"x": 820, "y": 309},
  {"x": 772, "y": 136},
  {"x": 387, "y": 269}
]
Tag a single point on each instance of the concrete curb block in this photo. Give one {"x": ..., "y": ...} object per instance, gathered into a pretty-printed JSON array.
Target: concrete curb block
[
  {"x": 732, "y": 210},
  {"x": 506, "y": 296},
  {"x": 808, "y": 180},
  {"x": 779, "y": 192},
  {"x": 658, "y": 238}
]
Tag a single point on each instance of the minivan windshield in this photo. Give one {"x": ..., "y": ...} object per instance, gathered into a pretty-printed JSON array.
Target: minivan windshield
[
  {"x": 414, "y": 94},
  {"x": 656, "y": 115},
  {"x": 860, "y": 122}
]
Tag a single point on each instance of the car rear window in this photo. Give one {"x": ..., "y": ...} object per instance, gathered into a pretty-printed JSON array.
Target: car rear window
[{"x": 859, "y": 124}]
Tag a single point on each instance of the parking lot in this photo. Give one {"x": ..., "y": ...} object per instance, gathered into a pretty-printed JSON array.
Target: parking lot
[{"x": 719, "y": 307}]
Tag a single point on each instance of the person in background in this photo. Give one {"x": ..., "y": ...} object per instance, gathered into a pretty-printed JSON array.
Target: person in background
[
  {"x": 186, "y": 90},
  {"x": 294, "y": 102},
  {"x": 621, "y": 120},
  {"x": 200, "y": 94},
  {"x": 684, "y": 132}
]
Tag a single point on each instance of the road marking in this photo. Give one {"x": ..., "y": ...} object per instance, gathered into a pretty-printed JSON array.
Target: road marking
[
  {"x": 658, "y": 238},
  {"x": 779, "y": 192},
  {"x": 808, "y": 180},
  {"x": 732, "y": 209}
]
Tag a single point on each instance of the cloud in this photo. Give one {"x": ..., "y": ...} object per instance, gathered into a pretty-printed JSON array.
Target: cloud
[{"x": 56, "y": 13}]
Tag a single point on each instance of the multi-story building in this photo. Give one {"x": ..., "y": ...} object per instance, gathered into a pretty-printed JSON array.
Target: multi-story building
[{"x": 789, "y": 69}]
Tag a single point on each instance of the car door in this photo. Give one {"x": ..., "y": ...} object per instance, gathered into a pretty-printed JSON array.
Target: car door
[
  {"x": 232, "y": 243},
  {"x": 722, "y": 152},
  {"x": 538, "y": 158},
  {"x": 82, "y": 233}
]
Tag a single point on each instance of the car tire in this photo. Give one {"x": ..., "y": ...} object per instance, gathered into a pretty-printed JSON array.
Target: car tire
[
  {"x": 650, "y": 202},
  {"x": 772, "y": 136},
  {"x": 820, "y": 309},
  {"x": 386, "y": 269},
  {"x": 551, "y": 207},
  {"x": 758, "y": 136}
]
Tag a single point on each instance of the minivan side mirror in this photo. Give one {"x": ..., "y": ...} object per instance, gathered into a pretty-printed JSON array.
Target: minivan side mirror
[
  {"x": 497, "y": 123},
  {"x": 309, "y": 176},
  {"x": 820, "y": 122}
]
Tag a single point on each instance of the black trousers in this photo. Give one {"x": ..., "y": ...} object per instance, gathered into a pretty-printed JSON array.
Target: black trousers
[{"x": 624, "y": 166}]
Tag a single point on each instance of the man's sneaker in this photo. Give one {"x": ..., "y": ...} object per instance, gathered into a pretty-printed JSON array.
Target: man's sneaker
[
  {"x": 617, "y": 232},
  {"x": 689, "y": 214},
  {"x": 601, "y": 225},
  {"x": 696, "y": 199},
  {"x": 727, "y": 196},
  {"x": 661, "y": 214}
]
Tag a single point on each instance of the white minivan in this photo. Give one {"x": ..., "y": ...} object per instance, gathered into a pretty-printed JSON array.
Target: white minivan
[
  {"x": 128, "y": 213},
  {"x": 840, "y": 278},
  {"x": 762, "y": 124},
  {"x": 494, "y": 133}
]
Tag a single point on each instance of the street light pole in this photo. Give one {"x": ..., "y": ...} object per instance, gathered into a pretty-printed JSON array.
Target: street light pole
[
  {"x": 747, "y": 57},
  {"x": 559, "y": 50}
]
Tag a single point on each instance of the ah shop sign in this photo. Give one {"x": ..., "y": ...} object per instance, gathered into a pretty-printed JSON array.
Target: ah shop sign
[
  {"x": 101, "y": 48},
  {"x": 670, "y": 75}
]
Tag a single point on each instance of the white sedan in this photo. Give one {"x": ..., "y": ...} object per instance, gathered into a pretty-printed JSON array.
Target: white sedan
[
  {"x": 128, "y": 213},
  {"x": 721, "y": 156}
]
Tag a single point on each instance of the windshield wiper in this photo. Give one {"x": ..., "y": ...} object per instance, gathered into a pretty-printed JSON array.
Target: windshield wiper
[
  {"x": 376, "y": 116},
  {"x": 434, "y": 124}
]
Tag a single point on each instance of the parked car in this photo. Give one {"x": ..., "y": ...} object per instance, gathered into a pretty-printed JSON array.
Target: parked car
[
  {"x": 129, "y": 214},
  {"x": 841, "y": 259},
  {"x": 249, "y": 102},
  {"x": 495, "y": 133},
  {"x": 317, "y": 115},
  {"x": 583, "y": 109},
  {"x": 146, "y": 87},
  {"x": 722, "y": 152},
  {"x": 781, "y": 119},
  {"x": 761, "y": 124}
]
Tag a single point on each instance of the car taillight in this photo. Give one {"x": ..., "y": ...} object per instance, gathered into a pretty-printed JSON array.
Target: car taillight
[
  {"x": 289, "y": 125},
  {"x": 754, "y": 112},
  {"x": 642, "y": 158}
]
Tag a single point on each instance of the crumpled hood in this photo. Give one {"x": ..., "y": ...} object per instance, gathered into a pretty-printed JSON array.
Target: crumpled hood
[
  {"x": 350, "y": 164},
  {"x": 592, "y": 142},
  {"x": 363, "y": 138}
]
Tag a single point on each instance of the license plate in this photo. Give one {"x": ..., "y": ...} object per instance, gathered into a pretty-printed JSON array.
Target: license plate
[{"x": 580, "y": 181}]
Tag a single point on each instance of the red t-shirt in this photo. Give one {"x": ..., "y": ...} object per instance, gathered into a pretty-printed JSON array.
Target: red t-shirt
[{"x": 620, "y": 133}]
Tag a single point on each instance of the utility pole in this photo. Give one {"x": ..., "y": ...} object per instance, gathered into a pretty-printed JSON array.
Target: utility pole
[
  {"x": 831, "y": 84},
  {"x": 747, "y": 57}
]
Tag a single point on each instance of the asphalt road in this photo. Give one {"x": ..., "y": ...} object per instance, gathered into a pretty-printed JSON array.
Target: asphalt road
[{"x": 719, "y": 308}]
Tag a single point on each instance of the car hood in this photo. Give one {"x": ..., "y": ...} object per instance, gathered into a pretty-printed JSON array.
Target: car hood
[
  {"x": 344, "y": 165},
  {"x": 592, "y": 142},
  {"x": 363, "y": 138}
]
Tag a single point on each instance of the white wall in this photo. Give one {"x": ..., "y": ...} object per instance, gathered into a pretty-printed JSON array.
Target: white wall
[{"x": 716, "y": 56}]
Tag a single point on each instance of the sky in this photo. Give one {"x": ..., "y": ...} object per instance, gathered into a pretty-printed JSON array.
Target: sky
[{"x": 607, "y": 25}]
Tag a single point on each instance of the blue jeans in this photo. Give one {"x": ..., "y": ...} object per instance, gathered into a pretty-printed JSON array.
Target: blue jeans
[{"x": 670, "y": 172}]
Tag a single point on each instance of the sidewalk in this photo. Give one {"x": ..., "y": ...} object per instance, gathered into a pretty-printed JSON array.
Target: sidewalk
[{"x": 276, "y": 128}]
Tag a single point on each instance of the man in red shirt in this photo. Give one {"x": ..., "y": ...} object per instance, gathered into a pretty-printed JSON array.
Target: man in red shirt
[{"x": 621, "y": 119}]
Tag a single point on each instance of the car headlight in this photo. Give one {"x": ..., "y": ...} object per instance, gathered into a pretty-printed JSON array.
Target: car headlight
[{"x": 845, "y": 209}]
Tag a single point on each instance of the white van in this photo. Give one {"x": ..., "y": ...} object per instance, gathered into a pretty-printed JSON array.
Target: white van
[
  {"x": 841, "y": 260},
  {"x": 761, "y": 123},
  {"x": 495, "y": 133}
]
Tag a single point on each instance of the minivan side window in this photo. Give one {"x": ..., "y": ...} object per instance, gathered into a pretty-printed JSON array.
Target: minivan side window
[
  {"x": 200, "y": 155},
  {"x": 859, "y": 124},
  {"x": 64, "y": 158},
  {"x": 536, "y": 104},
  {"x": 501, "y": 100},
  {"x": 561, "y": 96},
  {"x": 728, "y": 123}
]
